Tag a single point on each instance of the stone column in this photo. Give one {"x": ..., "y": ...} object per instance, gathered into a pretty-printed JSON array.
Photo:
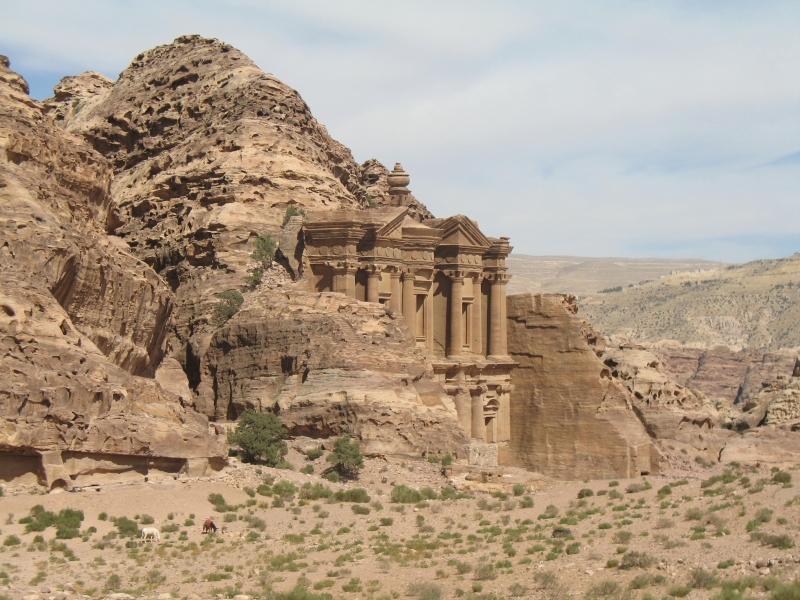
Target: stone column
[
  {"x": 395, "y": 301},
  {"x": 478, "y": 425},
  {"x": 410, "y": 302},
  {"x": 373, "y": 284},
  {"x": 464, "y": 404},
  {"x": 476, "y": 343},
  {"x": 456, "y": 302},
  {"x": 497, "y": 320},
  {"x": 344, "y": 280},
  {"x": 349, "y": 277}
]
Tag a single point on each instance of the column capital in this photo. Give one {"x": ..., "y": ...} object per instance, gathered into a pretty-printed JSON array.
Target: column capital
[
  {"x": 498, "y": 278},
  {"x": 455, "y": 274}
]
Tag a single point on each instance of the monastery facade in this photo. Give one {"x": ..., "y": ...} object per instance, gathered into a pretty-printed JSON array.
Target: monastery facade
[{"x": 449, "y": 281}]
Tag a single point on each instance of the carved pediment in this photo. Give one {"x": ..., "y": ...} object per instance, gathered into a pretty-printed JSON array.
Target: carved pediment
[{"x": 461, "y": 231}]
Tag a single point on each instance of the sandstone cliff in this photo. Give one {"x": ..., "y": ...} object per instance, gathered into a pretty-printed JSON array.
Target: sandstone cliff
[
  {"x": 81, "y": 318},
  {"x": 328, "y": 364},
  {"x": 208, "y": 153},
  {"x": 570, "y": 419}
]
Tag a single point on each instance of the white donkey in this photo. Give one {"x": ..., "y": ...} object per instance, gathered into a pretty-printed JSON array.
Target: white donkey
[{"x": 151, "y": 533}]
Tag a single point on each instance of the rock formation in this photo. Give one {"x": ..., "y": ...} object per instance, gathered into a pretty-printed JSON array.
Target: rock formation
[
  {"x": 329, "y": 364},
  {"x": 82, "y": 320},
  {"x": 208, "y": 153},
  {"x": 569, "y": 418},
  {"x": 722, "y": 374}
]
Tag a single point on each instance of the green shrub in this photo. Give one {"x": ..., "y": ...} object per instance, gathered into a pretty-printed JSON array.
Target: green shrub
[
  {"x": 264, "y": 251},
  {"x": 230, "y": 302},
  {"x": 308, "y": 469},
  {"x": 485, "y": 572},
  {"x": 585, "y": 493},
  {"x": 789, "y": 591},
  {"x": 622, "y": 537},
  {"x": 314, "y": 453},
  {"x": 146, "y": 520},
  {"x": 333, "y": 477},
  {"x": 636, "y": 559},
  {"x": 518, "y": 489},
  {"x": 360, "y": 510},
  {"x": 126, "y": 527},
  {"x": 387, "y": 521},
  {"x": 611, "y": 563},
  {"x": 11, "y": 540},
  {"x": 604, "y": 589},
  {"x": 352, "y": 495},
  {"x": 573, "y": 548},
  {"x": 314, "y": 491},
  {"x": 405, "y": 495},
  {"x": 613, "y": 483},
  {"x": 526, "y": 502},
  {"x": 292, "y": 211},
  {"x": 284, "y": 489},
  {"x": 694, "y": 514},
  {"x": 425, "y": 590},
  {"x": 700, "y": 579},
  {"x": 665, "y": 491},
  {"x": 447, "y": 460},
  {"x": 782, "y": 477},
  {"x": 113, "y": 582},
  {"x": 260, "y": 436},
  {"x": 726, "y": 563},
  {"x": 679, "y": 591},
  {"x": 40, "y": 519},
  {"x": 346, "y": 457}
]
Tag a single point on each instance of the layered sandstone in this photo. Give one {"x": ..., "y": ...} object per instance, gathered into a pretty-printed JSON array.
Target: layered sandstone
[
  {"x": 208, "y": 153},
  {"x": 329, "y": 364},
  {"x": 82, "y": 320},
  {"x": 569, "y": 418},
  {"x": 721, "y": 373}
]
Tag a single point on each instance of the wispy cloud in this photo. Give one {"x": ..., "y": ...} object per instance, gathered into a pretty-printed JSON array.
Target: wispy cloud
[{"x": 575, "y": 128}]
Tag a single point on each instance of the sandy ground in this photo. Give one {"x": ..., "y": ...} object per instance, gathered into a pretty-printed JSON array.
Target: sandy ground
[{"x": 328, "y": 548}]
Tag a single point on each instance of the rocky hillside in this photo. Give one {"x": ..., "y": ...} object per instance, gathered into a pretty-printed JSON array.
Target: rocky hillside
[
  {"x": 83, "y": 321},
  {"x": 208, "y": 153},
  {"x": 754, "y": 305}
]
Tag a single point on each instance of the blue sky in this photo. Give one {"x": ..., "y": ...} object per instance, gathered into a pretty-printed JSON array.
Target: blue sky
[{"x": 633, "y": 128}]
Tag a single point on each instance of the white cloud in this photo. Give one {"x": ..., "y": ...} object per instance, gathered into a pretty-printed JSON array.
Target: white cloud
[{"x": 582, "y": 128}]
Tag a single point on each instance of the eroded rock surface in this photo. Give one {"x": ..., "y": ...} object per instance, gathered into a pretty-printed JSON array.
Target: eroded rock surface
[
  {"x": 570, "y": 419},
  {"x": 329, "y": 364},
  {"x": 81, "y": 318}
]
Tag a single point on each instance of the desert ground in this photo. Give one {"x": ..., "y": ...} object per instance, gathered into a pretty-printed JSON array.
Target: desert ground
[{"x": 702, "y": 534}]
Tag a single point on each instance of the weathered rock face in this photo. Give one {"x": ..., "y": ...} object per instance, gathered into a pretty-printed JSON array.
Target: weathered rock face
[
  {"x": 80, "y": 318},
  {"x": 665, "y": 407},
  {"x": 569, "y": 418},
  {"x": 208, "y": 152},
  {"x": 329, "y": 364},
  {"x": 720, "y": 373}
]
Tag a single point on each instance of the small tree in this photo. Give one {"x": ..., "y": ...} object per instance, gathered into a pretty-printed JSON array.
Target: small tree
[
  {"x": 264, "y": 250},
  {"x": 346, "y": 457},
  {"x": 230, "y": 303},
  {"x": 259, "y": 436}
]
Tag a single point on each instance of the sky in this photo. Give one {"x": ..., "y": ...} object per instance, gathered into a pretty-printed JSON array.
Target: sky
[{"x": 618, "y": 128}]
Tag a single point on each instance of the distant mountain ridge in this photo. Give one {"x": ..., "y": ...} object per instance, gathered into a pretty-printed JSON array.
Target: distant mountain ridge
[
  {"x": 753, "y": 305},
  {"x": 584, "y": 276}
]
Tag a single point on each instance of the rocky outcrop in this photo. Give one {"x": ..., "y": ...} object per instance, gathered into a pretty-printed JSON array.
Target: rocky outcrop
[
  {"x": 82, "y": 320},
  {"x": 208, "y": 153},
  {"x": 720, "y": 373},
  {"x": 569, "y": 418},
  {"x": 665, "y": 407},
  {"x": 329, "y": 364}
]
